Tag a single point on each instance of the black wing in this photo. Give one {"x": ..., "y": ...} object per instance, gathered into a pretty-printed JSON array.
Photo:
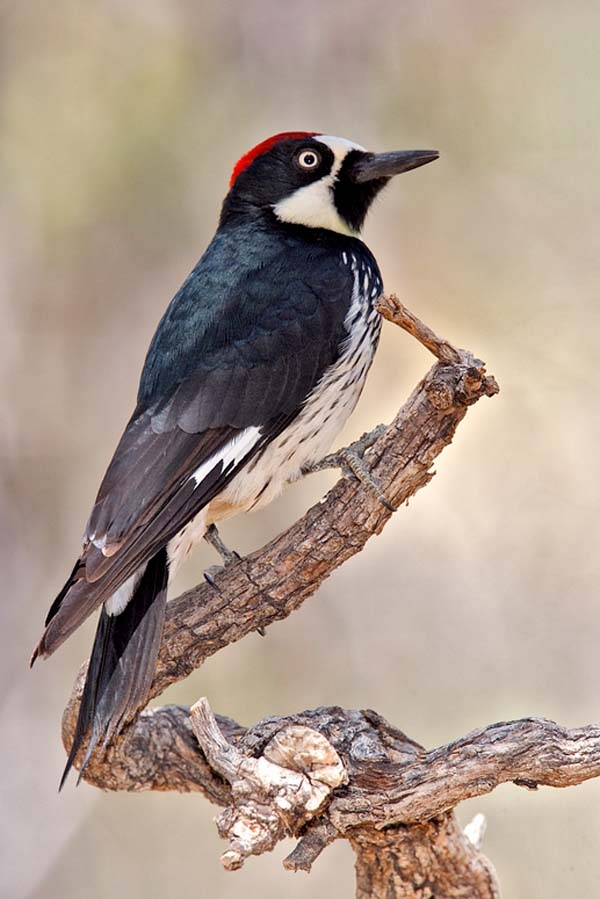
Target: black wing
[{"x": 239, "y": 349}]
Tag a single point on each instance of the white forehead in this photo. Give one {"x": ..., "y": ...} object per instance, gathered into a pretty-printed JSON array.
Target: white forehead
[{"x": 340, "y": 146}]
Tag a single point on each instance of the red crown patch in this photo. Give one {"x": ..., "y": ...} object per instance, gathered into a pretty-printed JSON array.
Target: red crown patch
[{"x": 264, "y": 147}]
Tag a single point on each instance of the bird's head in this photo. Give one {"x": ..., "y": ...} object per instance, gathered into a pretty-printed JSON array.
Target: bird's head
[{"x": 316, "y": 180}]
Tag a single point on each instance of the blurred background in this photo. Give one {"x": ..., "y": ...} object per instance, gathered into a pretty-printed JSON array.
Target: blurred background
[{"x": 120, "y": 122}]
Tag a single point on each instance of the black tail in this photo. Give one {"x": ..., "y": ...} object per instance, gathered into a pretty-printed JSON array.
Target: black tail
[{"x": 122, "y": 663}]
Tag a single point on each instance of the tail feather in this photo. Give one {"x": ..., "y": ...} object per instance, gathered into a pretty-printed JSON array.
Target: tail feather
[
  {"x": 41, "y": 650},
  {"x": 52, "y": 611},
  {"x": 122, "y": 664}
]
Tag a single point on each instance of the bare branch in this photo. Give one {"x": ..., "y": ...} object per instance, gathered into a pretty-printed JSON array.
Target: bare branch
[
  {"x": 396, "y": 806},
  {"x": 402, "y": 782},
  {"x": 273, "y": 795},
  {"x": 272, "y": 582},
  {"x": 315, "y": 839},
  {"x": 329, "y": 773},
  {"x": 394, "y": 310},
  {"x": 425, "y": 861},
  {"x": 530, "y": 752}
]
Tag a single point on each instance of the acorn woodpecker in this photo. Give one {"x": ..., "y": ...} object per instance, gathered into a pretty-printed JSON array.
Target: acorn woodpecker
[{"x": 252, "y": 372}]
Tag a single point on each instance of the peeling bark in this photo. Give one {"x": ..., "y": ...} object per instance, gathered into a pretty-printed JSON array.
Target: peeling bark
[
  {"x": 332, "y": 773},
  {"x": 269, "y": 584},
  {"x": 425, "y": 861}
]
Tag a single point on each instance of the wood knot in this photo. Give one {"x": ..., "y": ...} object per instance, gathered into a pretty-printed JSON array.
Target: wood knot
[
  {"x": 473, "y": 383},
  {"x": 527, "y": 782},
  {"x": 274, "y": 795},
  {"x": 440, "y": 395}
]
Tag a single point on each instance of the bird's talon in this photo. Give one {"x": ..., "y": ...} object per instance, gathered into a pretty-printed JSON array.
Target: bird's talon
[
  {"x": 355, "y": 464},
  {"x": 350, "y": 461},
  {"x": 229, "y": 556},
  {"x": 209, "y": 578}
]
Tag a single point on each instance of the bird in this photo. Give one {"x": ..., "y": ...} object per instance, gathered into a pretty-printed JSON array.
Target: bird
[{"x": 253, "y": 370}]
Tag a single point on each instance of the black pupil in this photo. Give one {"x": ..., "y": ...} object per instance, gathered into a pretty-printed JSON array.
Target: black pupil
[{"x": 309, "y": 159}]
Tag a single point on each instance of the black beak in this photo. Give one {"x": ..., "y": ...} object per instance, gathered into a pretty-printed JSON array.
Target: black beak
[{"x": 371, "y": 166}]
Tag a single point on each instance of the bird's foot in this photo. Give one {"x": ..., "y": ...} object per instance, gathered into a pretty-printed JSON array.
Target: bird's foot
[
  {"x": 229, "y": 556},
  {"x": 213, "y": 537},
  {"x": 350, "y": 459}
]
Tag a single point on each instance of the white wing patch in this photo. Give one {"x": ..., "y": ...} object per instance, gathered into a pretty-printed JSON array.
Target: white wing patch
[
  {"x": 309, "y": 436},
  {"x": 229, "y": 454},
  {"x": 119, "y": 601}
]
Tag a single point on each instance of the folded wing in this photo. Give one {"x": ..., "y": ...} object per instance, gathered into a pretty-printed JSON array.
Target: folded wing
[{"x": 230, "y": 366}]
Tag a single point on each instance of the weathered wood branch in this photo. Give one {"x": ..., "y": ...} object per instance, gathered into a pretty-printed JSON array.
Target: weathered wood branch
[
  {"x": 273, "y": 795},
  {"x": 331, "y": 773},
  {"x": 394, "y": 801},
  {"x": 272, "y": 582}
]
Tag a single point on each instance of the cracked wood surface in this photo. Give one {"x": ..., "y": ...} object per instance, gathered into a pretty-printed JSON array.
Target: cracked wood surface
[
  {"x": 391, "y": 798},
  {"x": 393, "y": 779},
  {"x": 269, "y": 584},
  {"x": 396, "y": 809}
]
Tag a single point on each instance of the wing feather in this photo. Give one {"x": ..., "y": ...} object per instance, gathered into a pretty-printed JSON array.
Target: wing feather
[{"x": 238, "y": 351}]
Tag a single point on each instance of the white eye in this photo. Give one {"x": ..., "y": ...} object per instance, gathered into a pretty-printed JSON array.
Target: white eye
[{"x": 308, "y": 159}]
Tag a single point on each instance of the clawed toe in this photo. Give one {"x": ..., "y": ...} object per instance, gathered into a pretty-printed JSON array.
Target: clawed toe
[
  {"x": 211, "y": 573},
  {"x": 229, "y": 556},
  {"x": 350, "y": 460}
]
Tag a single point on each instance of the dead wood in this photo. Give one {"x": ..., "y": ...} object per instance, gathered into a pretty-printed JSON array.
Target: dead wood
[{"x": 332, "y": 773}]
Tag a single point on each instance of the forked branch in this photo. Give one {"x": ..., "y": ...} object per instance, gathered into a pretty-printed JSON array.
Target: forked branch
[
  {"x": 332, "y": 773},
  {"x": 272, "y": 582}
]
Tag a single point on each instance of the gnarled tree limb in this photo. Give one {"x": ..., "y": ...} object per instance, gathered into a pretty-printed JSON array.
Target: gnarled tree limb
[
  {"x": 396, "y": 808},
  {"x": 331, "y": 773},
  {"x": 272, "y": 582}
]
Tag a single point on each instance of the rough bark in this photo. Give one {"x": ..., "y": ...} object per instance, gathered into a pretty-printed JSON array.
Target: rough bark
[
  {"x": 425, "y": 861},
  {"x": 331, "y": 773},
  {"x": 269, "y": 584},
  {"x": 393, "y": 800}
]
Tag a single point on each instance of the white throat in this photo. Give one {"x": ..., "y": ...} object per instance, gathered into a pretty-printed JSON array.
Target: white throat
[{"x": 314, "y": 204}]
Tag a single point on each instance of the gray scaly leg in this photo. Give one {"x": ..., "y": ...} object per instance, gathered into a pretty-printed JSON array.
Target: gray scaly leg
[
  {"x": 350, "y": 459},
  {"x": 229, "y": 556}
]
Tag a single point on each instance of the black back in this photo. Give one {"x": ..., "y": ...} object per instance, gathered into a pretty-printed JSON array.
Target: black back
[{"x": 243, "y": 343}]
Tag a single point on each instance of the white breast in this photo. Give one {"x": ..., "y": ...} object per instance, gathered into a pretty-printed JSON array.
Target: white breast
[{"x": 311, "y": 435}]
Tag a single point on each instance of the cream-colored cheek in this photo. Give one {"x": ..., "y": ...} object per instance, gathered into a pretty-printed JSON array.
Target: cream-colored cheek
[{"x": 314, "y": 207}]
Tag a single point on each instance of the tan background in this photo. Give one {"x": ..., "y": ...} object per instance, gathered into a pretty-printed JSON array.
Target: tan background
[{"x": 120, "y": 122}]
